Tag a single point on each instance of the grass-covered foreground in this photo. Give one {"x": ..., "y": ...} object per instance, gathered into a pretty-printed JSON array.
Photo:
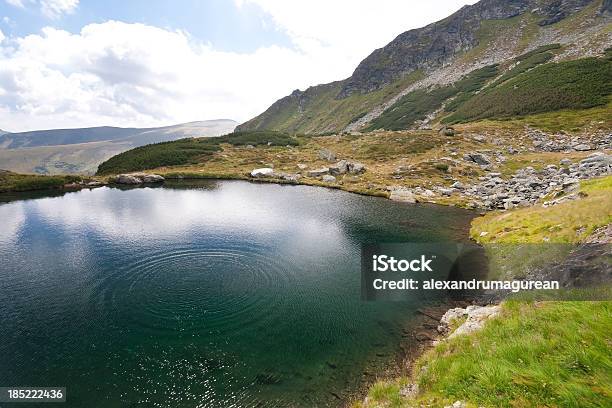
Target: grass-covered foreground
[
  {"x": 535, "y": 354},
  {"x": 27, "y": 182},
  {"x": 550, "y": 354}
]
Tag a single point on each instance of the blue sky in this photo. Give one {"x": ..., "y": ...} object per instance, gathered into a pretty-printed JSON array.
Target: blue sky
[
  {"x": 71, "y": 63},
  {"x": 221, "y": 22}
]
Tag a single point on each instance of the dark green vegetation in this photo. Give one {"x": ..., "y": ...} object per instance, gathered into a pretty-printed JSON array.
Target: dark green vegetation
[
  {"x": 578, "y": 84},
  {"x": 187, "y": 151},
  {"x": 524, "y": 63},
  {"x": 26, "y": 182},
  {"x": 531, "y": 86},
  {"x": 416, "y": 105}
]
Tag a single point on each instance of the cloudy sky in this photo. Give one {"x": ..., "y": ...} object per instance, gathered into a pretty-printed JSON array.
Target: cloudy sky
[{"x": 71, "y": 63}]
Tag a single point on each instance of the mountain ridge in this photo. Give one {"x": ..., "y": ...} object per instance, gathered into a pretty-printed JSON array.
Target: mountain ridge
[
  {"x": 80, "y": 150},
  {"x": 488, "y": 32}
]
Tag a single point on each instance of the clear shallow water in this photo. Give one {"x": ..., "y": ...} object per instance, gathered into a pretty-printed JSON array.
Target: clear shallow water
[{"x": 223, "y": 294}]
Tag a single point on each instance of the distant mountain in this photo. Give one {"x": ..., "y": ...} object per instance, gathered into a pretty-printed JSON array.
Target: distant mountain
[
  {"x": 60, "y": 151},
  {"x": 419, "y": 63},
  {"x": 3, "y": 132}
]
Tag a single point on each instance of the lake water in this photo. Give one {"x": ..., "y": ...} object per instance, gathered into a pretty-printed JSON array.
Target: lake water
[{"x": 220, "y": 294}]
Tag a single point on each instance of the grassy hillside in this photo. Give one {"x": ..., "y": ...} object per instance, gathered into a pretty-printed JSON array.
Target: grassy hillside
[
  {"x": 578, "y": 84},
  {"x": 27, "y": 182},
  {"x": 317, "y": 110},
  {"x": 187, "y": 151},
  {"x": 570, "y": 222},
  {"x": 417, "y": 104}
]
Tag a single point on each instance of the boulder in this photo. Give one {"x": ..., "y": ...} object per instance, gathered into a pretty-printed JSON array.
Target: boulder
[
  {"x": 317, "y": 172},
  {"x": 328, "y": 179},
  {"x": 402, "y": 194},
  {"x": 447, "y": 131},
  {"x": 263, "y": 172},
  {"x": 356, "y": 168},
  {"x": 478, "y": 158},
  {"x": 583, "y": 147},
  {"x": 152, "y": 178},
  {"x": 302, "y": 166},
  {"x": 326, "y": 154},
  {"x": 127, "y": 179},
  {"x": 475, "y": 318},
  {"x": 339, "y": 168}
]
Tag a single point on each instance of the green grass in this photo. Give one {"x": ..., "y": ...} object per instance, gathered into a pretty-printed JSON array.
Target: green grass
[
  {"x": 526, "y": 62},
  {"x": 319, "y": 111},
  {"x": 569, "y": 222},
  {"x": 187, "y": 151},
  {"x": 416, "y": 105},
  {"x": 27, "y": 182},
  {"x": 537, "y": 354},
  {"x": 578, "y": 84}
]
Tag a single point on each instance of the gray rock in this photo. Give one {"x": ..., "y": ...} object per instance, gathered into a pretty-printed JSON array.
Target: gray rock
[
  {"x": 302, "y": 166},
  {"x": 582, "y": 147},
  {"x": 447, "y": 131},
  {"x": 326, "y": 154},
  {"x": 127, "y": 179},
  {"x": 339, "y": 168},
  {"x": 263, "y": 172},
  {"x": 317, "y": 172},
  {"x": 152, "y": 178},
  {"x": 478, "y": 158},
  {"x": 402, "y": 194},
  {"x": 328, "y": 179},
  {"x": 356, "y": 168},
  {"x": 565, "y": 162}
]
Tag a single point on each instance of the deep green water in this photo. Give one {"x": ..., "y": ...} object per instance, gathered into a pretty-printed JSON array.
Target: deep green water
[{"x": 222, "y": 294}]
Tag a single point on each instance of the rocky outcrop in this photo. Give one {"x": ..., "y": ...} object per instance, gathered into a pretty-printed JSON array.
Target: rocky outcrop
[
  {"x": 436, "y": 44},
  {"x": 469, "y": 320},
  {"x": 528, "y": 185},
  {"x": 137, "y": 178}
]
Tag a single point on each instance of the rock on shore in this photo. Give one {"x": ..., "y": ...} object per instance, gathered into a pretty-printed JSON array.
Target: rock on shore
[{"x": 137, "y": 178}]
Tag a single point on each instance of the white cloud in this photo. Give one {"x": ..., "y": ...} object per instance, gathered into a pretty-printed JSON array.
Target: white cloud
[
  {"x": 55, "y": 8},
  {"x": 2, "y": 37},
  {"x": 16, "y": 3},
  {"x": 122, "y": 74},
  {"x": 352, "y": 28},
  {"x": 50, "y": 8}
]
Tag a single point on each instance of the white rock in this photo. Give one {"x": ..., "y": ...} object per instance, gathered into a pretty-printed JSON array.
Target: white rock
[
  {"x": 402, "y": 194},
  {"x": 263, "y": 172}
]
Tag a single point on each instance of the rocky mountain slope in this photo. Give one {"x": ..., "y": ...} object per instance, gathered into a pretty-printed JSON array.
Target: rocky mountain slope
[
  {"x": 65, "y": 151},
  {"x": 490, "y": 33}
]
